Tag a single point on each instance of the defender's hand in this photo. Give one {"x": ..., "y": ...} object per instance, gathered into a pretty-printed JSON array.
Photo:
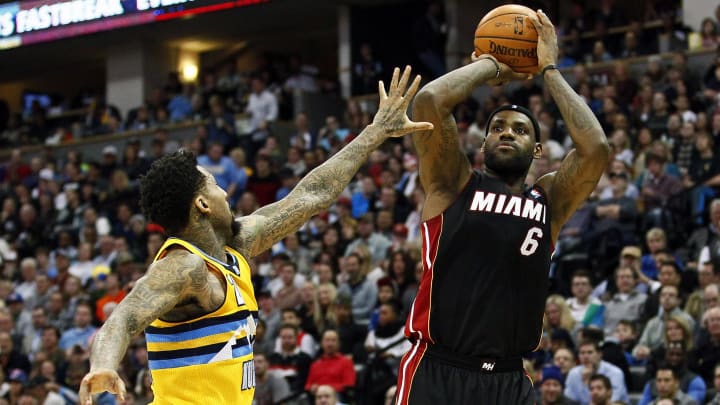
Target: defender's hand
[
  {"x": 506, "y": 72},
  {"x": 98, "y": 381},
  {"x": 392, "y": 112},
  {"x": 547, "y": 47}
]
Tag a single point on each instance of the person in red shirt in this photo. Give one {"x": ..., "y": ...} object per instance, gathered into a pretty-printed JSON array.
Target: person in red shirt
[
  {"x": 264, "y": 183},
  {"x": 332, "y": 368},
  {"x": 113, "y": 293}
]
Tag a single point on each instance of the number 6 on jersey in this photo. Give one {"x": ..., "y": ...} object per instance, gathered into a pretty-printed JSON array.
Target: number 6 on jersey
[{"x": 530, "y": 244}]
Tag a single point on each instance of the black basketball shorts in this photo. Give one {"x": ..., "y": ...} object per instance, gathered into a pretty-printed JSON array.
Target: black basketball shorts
[{"x": 432, "y": 376}]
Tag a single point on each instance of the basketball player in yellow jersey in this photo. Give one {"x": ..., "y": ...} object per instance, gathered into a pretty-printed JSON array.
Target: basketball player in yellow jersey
[{"x": 196, "y": 302}]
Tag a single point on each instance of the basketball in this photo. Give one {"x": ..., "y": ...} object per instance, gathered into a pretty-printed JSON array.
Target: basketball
[{"x": 507, "y": 33}]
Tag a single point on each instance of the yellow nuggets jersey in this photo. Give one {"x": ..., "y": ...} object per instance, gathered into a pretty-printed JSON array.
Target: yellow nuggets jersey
[{"x": 209, "y": 359}]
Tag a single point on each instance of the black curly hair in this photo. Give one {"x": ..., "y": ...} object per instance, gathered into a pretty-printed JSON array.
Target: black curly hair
[{"x": 168, "y": 189}]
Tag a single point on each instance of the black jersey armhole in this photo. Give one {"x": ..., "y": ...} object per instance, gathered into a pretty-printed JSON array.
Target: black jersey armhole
[{"x": 474, "y": 174}]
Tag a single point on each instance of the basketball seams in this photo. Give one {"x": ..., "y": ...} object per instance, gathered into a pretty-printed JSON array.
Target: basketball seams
[
  {"x": 482, "y": 52},
  {"x": 500, "y": 15},
  {"x": 506, "y": 38},
  {"x": 496, "y": 16}
]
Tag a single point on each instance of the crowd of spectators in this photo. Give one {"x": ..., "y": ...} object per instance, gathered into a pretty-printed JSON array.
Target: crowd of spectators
[{"x": 633, "y": 313}]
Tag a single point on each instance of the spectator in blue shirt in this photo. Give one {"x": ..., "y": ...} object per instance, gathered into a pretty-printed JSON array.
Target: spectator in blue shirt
[
  {"x": 221, "y": 167},
  {"x": 222, "y": 125},
  {"x": 180, "y": 106},
  {"x": 576, "y": 385},
  {"x": 80, "y": 333}
]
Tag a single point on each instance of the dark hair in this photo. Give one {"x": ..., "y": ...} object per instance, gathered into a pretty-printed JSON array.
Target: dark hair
[
  {"x": 589, "y": 342},
  {"x": 666, "y": 366},
  {"x": 291, "y": 264},
  {"x": 409, "y": 271},
  {"x": 582, "y": 273},
  {"x": 677, "y": 289},
  {"x": 293, "y": 310},
  {"x": 168, "y": 189},
  {"x": 55, "y": 330},
  {"x": 294, "y": 328},
  {"x": 630, "y": 324},
  {"x": 394, "y": 305},
  {"x": 670, "y": 263},
  {"x": 604, "y": 379},
  {"x": 357, "y": 256}
]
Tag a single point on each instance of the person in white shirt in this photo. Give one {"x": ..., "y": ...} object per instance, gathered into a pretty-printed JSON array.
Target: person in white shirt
[
  {"x": 82, "y": 267},
  {"x": 581, "y": 300},
  {"x": 390, "y": 329},
  {"x": 26, "y": 288},
  {"x": 263, "y": 109}
]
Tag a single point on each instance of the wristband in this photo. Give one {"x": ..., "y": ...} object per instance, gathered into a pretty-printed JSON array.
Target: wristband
[
  {"x": 497, "y": 66},
  {"x": 548, "y": 67}
]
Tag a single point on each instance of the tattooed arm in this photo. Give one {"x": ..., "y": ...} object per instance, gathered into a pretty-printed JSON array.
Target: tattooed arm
[
  {"x": 319, "y": 188},
  {"x": 175, "y": 278},
  {"x": 444, "y": 168},
  {"x": 581, "y": 169}
]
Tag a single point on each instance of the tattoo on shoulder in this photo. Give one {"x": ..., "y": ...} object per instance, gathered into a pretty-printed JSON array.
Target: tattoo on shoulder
[
  {"x": 245, "y": 241},
  {"x": 164, "y": 285}
]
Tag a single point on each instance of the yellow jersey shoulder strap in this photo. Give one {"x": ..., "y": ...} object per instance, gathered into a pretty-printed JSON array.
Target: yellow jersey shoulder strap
[{"x": 190, "y": 247}]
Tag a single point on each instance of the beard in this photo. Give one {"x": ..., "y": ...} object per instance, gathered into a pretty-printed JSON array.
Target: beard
[
  {"x": 515, "y": 165},
  {"x": 235, "y": 227}
]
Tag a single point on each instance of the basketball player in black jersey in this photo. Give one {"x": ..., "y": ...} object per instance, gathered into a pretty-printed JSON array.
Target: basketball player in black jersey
[{"x": 488, "y": 237}]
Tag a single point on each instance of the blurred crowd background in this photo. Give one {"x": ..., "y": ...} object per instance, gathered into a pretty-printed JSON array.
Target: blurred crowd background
[{"x": 635, "y": 276}]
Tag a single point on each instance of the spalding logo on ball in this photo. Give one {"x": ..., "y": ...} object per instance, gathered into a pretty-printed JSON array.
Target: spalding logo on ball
[{"x": 507, "y": 33}]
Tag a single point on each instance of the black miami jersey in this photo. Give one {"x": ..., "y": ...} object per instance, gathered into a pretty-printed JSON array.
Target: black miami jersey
[{"x": 485, "y": 272}]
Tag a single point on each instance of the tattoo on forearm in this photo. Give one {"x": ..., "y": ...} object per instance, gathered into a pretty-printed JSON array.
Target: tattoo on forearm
[
  {"x": 575, "y": 112},
  {"x": 315, "y": 192}
]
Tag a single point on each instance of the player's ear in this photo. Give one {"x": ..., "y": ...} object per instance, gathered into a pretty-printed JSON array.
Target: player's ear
[
  {"x": 537, "y": 152},
  {"x": 201, "y": 204}
]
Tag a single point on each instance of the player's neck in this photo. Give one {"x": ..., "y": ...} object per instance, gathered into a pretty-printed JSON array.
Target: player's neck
[
  {"x": 204, "y": 237},
  {"x": 516, "y": 183}
]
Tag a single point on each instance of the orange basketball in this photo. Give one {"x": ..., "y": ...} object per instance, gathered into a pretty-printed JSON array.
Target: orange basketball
[{"x": 508, "y": 34}]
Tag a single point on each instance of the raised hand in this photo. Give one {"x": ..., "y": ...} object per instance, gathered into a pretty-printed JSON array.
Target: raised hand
[
  {"x": 392, "y": 112},
  {"x": 99, "y": 381},
  {"x": 547, "y": 47}
]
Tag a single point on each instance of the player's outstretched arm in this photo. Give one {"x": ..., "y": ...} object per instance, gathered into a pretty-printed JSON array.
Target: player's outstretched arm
[
  {"x": 166, "y": 283},
  {"x": 321, "y": 187},
  {"x": 444, "y": 168},
  {"x": 581, "y": 169}
]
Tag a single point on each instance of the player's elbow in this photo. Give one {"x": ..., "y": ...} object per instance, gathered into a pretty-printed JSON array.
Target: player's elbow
[
  {"x": 601, "y": 149},
  {"x": 595, "y": 148},
  {"x": 428, "y": 99}
]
